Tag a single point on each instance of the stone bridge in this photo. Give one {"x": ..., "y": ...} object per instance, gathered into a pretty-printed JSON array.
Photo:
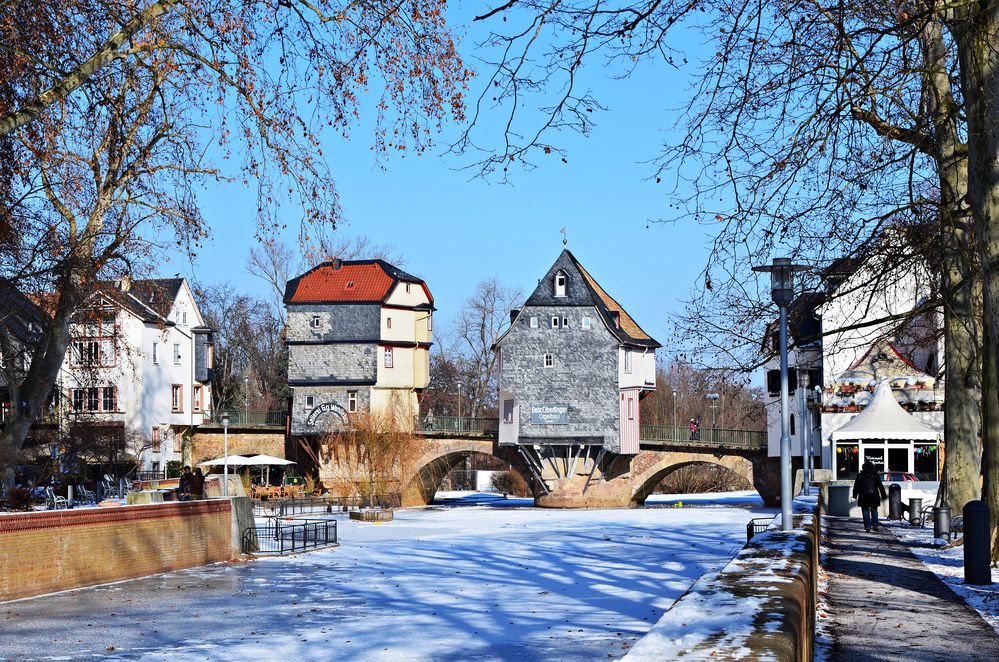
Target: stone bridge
[{"x": 581, "y": 477}]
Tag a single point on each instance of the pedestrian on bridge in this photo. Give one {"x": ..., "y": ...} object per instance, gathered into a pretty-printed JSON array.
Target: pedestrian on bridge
[
  {"x": 695, "y": 430},
  {"x": 869, "y": 492}
]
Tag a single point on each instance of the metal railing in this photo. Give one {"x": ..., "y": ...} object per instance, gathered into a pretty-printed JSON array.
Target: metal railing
[
  {"x": 757, "y": 526},
  {"x": 242, "y": 418},
  {"x": 142, "y": 476},
  {"x": 676, "y": 434},
  {"x": 318, "y": 505},
  {"x": 281, "y": 537},
  {"x": 456, "y": 424}
]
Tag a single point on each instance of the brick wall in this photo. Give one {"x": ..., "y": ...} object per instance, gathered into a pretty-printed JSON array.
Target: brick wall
[
  {"x": 63, "y": 549},
  {"x": 208, "y": 445}
]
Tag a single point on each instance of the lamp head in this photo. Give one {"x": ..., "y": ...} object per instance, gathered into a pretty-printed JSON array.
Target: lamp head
[
  {"x": 225, "y": 420},
  {"x": 782, "y": 279}
]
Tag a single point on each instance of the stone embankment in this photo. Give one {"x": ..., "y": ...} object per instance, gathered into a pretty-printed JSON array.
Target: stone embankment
[{"x": 760, "y": 606}]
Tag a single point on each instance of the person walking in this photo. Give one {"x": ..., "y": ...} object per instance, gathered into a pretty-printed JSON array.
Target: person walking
[
  {"x": 695, "y": 429},
  {"x": 197, "y": 485},
  {"x": 869, "y": 492}
]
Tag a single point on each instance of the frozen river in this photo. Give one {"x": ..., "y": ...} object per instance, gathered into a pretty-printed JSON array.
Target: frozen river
[{"x": 440, "y": 583}]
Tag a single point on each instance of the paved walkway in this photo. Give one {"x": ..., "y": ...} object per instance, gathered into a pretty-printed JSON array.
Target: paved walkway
[{"x": 887, "y": 606}]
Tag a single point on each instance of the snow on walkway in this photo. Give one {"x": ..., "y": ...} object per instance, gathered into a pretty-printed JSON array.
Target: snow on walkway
[{"x": 473, "y": 582}]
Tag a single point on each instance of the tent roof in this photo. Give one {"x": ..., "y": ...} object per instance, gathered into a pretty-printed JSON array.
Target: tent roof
[
  {"x": 234, "y": 461},
  {"x": 884, "y": 418},
  {"x": 270, "y": 460}
]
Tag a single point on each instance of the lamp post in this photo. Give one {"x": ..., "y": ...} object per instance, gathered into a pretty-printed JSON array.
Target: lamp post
[
  {"x": 246, "y": 400},
  {"x": 225, "y": 454},
  {"x": 713, "y": 397},
  {"x": 782, "y": 291},
  {"x": 675, "y": 431}
]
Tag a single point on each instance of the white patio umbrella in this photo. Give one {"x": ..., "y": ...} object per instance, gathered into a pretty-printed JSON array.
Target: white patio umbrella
[
  {"x": 234, "y": 461},
  {"x": 268, "y": 461}
]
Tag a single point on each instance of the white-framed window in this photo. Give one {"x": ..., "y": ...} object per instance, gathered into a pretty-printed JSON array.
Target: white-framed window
[
  {"x": 314, "y": 322},
  {"x": 388, "y": 322},
  {"x": 78, "y": 398},
  {"x": 534, "y": 321},
  {"x": 549, "y": 360},
  {"x": 183, "y": 318},
  {"x": 407, "y": 288},
  {"x": 508, "y": 411},
  {"x": 176, "y": 353},
  {"x": 389, "y": 358},
  {"x": 565, "y": 322},
  {"x": 177, "y": 398},
  {"x": 351, "y": 401},
  {"x": 430, "y": 321},
  {"x": 93, "y": 352},
  {"x": 156, "y": 352},
  {"x": 555, "y": 321},
  {"x": 627, "y": 361},
  {"x": 310, "y": 401},
  {"x": 196, "y": 398},
  {"x": 631, "y": 409},
  {"x": 585, "y": 322},
  {"x": 560, "y": 282}
]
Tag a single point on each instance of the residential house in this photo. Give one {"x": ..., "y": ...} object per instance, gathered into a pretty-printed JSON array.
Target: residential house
[
  {"x": 359, "y": 334},
  {"x": 573, "y": 367}
]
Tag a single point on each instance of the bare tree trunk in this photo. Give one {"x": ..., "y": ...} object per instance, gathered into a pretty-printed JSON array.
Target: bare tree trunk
[
  {"x": 962, "y": 323},
  {"x": 990, "y": 439},
  {"x": 30, "y": 395}
]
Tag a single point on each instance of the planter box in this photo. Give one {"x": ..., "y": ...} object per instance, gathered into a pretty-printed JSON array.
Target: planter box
[{"x": 372, "y": 515}]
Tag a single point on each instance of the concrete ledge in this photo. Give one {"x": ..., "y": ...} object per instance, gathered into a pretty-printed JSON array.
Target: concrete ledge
[
  {"x": 372, "y": 515},
  {"x": 761, "y": 606}
]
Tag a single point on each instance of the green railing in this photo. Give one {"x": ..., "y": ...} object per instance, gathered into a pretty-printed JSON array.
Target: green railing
[
  {"x": 677, "y": 434},
  {"x": 242, "y": 418},
  {"x": 456, "y": 424}
]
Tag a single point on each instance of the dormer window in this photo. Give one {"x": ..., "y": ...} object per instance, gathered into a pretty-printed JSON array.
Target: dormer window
[
  {"x": 314, "y": 322},
  {"x": 560, "y": 284},
  {"x": 350, "y": 284}
]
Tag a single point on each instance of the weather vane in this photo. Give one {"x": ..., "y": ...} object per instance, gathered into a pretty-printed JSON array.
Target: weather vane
[{"x": 565, "y": 242}]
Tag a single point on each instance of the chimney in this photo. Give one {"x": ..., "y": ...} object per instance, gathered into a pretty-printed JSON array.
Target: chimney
[
  {"x": 337, "y": 263},
  {"x": 513, "y": 315},
  {"x": 125, "y": 283}
]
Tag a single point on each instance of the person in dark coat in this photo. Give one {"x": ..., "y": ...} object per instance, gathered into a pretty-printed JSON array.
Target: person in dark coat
[
  {"x": 184, "y": 486},
  {"x": 197, "y": 485},
  {"x": 869, "y": 492}
]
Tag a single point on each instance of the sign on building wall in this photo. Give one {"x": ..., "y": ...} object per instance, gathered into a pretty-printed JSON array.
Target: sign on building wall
[
  {"x": 549, "y": 414},
  {"x": 324, "y": 408}
]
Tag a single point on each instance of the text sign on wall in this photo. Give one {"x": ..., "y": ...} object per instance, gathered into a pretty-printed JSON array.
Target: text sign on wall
[
  {"x": 324, "y": 408},
  {"x": 549, "y": 414}
]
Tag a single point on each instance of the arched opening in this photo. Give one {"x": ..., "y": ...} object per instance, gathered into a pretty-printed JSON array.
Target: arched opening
[
  {"x": 693, "y": 477},
  {"x": 463, "y": 471}
]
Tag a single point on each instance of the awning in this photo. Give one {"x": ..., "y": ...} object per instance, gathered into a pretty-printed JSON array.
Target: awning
[
  {"x": 884, "y": 418},
  {"x": 266, "y": 460},
  {"x": 234, "y": 461}
]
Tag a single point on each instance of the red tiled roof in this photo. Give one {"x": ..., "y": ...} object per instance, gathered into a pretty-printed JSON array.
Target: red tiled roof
[{"x": 351, "y": 282}]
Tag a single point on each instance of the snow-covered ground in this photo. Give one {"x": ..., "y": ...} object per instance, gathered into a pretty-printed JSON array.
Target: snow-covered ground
[
  {"x": 476, "y": 582},
  {"x": 948, "y": 565}
]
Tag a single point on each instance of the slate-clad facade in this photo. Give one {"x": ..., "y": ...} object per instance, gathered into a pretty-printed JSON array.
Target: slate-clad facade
[
  {"x": 573, "y": 366},
  {"x": 359, "y": 334}
]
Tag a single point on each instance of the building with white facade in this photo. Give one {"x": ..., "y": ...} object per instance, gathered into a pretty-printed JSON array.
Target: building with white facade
[
  {"x": 138, "y": 370},
  {"x": 843, "y": 343}
]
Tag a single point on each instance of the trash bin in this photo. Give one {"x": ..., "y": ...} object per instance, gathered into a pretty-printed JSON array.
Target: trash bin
[{"x": 839, "y": 501}]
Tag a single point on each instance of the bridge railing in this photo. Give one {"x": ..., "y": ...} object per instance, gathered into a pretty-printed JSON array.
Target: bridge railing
[
  {"x": 243, "y": 418},
  {"x": 668, "y": 434},
  {"x": 456, "y": 424}
]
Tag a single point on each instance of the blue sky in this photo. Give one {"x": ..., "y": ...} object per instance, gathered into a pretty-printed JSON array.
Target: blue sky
[{"x": 455, "y": 231}]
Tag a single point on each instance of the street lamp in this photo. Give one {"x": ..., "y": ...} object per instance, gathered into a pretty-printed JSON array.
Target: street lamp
[
  {"x": 675, "y": 431},
  {"x": 782, "y": 291},
  {"x": 225, "y": 454},
  {"x": 713, "y": 397},
  {"x": 246, "y": 400}
]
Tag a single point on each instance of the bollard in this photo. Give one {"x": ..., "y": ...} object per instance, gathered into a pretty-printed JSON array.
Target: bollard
[
  {"x": 69, "y": 496},
  {"x": 915, "y": 512},
  {"x": 976, "y": 544},
  {"x": 941, "y": 522},
  {"x": 894, "y": 501}
]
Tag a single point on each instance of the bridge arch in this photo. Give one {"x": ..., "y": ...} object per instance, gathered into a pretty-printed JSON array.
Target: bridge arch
[
  {"x": 421, "y": 482},
  {"x": 668, "y": 462}
]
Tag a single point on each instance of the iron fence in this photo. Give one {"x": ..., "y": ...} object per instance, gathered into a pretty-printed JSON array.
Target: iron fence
[
  {"x": 276, "y": 536},
  {"x": 676, "y": 434},
  {"x": 319, "y": 505},
  {"x": 758, "y": 525},
  {"x": 456, "y": 424},
  {"x": 243, "y": 418}
]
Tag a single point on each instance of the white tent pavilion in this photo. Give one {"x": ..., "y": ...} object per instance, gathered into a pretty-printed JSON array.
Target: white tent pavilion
[{"x": 882, "y": 432}]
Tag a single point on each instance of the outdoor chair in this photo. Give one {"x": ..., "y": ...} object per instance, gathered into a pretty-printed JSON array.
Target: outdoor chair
[
  {"x": 54, "y": 501},
  {"x": 84, "y": 495}
]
